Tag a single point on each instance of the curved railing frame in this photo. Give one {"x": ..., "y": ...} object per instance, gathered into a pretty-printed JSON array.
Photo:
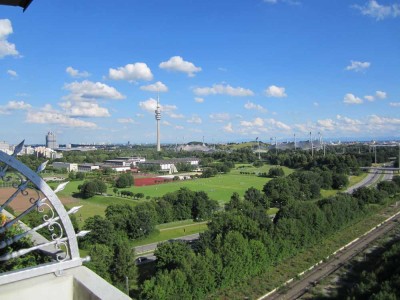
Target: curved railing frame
[{"x": 74, "y": 258}]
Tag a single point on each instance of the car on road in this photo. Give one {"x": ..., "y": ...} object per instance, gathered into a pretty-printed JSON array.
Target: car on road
[{"x": 141, "y": 260}]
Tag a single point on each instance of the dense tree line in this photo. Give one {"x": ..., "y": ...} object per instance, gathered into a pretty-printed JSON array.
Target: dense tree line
[
  {"x": 242, "y": 242},
  {"x": 302, "y": 185},
  {"x": 92, "y": 187}
]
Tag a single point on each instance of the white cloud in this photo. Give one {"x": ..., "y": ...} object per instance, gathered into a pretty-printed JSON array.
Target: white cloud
[
  {"x": 179, "y": 127},
  {"x": 6, "y": 48},
  {"x": 91, "y": 90},
  {"x": 199, "y": 100},
  {"x": 155, "y": 87},
  {"x": 220, "y": 89},
  {"x": 76, "y": 73},
  {"x": 49, "y": 116},
  {"x": 14, "y": 105},
  {"x": 194, "y": 119},
  {"x": 166, "y": 123},
  {"x": 150, "y": 106},
  {"x": 369, "y": 98},
  {"x": 84, "y": 109},
  {"x": 291, "y": 2},
  {"x": 251, "y": 105},
  {"x": 278, "y": 124},
  {"x": 176, "y": 63},
  {"x": 380, "y": 95},
  {"x": 358, "y": 66},
  {"x": 275, "y": 91},
  {"x": 131, "y": 72},
  {"x": 394, "y": 104},
  {"x": 351, "y": 99},
  {"x": 327, "y": 124},
  {"x": 12, "y": 73},
  {"x": 174, "y": 115},
  {"x": 126, "y": 121},
  {"x": 257, "y": 122},
  {"x": 377, "y": 11},
  {"x": 220, "y": 117},
  {"x": 228, "y": 127},
  {"x": 316, "y": 104}
]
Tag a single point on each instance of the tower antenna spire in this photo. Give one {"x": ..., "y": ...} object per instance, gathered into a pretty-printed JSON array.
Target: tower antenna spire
[{"x": 158, "y": 118}]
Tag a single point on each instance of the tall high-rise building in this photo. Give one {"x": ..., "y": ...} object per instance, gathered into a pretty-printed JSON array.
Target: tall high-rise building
[
  {"x": 51, "y": 140},
  {"x": 158, "y": 118}
]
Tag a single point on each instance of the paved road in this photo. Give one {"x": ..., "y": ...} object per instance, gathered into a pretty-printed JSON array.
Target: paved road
[
  {"x": 151, "y": 247},
  {"x": 370, "y": 179}
]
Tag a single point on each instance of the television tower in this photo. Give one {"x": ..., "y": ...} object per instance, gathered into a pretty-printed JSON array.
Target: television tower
[{"x": 158, "y": 118}]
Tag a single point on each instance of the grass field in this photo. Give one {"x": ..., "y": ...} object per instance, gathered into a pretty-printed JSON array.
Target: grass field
[{"x": 172, "y": 233}]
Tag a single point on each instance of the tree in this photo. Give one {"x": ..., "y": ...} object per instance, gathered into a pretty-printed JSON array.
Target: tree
[
  {"x": 209, "y": 172},
  {"x": 256, "y": 197},
  {"x": 101, "y": 231},
  {"x": 101, "y": 258},
  {"x": 123, "y": 265},
  {"x": 124, "y": 180},
  {"x": 90, "y": 188},
  {"x": 171, "y": 255},
  {"x": 339, "y": 181},
  {"x": 276, "y": 172}
]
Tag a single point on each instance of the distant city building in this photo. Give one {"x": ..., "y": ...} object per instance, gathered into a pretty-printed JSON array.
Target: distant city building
[
  {"x": 51, "y": 140},
  {"x": 47, "y": 153},
  {"x": 195, "y": 147},
  {"x": 124, "y": 161},
  {"x": 169, "y": 165},
  {"x": 5, "y": 147},
  {"x": 87, "y": 168},
  {"x": 71, "y": 167}
]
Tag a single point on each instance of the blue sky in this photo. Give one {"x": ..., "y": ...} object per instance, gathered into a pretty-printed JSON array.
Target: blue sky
[{"x": 226, "y": 70}]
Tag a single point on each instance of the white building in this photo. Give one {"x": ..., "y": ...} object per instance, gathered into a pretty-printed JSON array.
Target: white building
[{"x": 87, "y": 168}]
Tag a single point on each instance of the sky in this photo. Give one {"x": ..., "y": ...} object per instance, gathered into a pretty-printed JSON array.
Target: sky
[{"x": 91, "y": 71}]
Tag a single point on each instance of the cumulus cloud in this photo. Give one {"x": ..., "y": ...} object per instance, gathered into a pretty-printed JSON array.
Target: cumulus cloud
[
  {"x": 131, "y": 72},
  {"x": 179, "y": 127},
  {"x": 76, "y": 73},
  {"x": 358, "y": 66},
  {"x": 220, "y": 117},
  {"x": 379, "y": 11},
  {"x": 327, "y": 124},
  {"x": 84, "y": 109},
  {"x": 194, "y": 119},
  {"x": 199, "y": 100},
  {"x": 228, "y": 128},
  {"x": 47, "y": 115},
  {"x": 278, "y": 124},
  {"x": 126, "y": 121},
  {"x": 166, "y": 123},
  {"x": 176, "y": 63},
  {"x": 292, "y": 2},
  {"x": 150, "y": 106},
  {"x": 378, "y": 95},
  {"x": 394, "y": 104},
  {"x": 13, "y": 106},
  {"x": 275, "y": 91},
  {"x": 351, "y": 99},
  {"x": 257, "y": 122},
  {"x": 6, "y": 48},
  {"x": 221, "y": 89},
  {"x": 12, "y": 73},
  {"x": 251, "y": 105},
  {"x": 155, "y": 87},
  {"x": 86, "y": 90}
]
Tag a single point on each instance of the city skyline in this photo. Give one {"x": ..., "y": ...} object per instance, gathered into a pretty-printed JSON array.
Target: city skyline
[{"x": 227, "y": 70}]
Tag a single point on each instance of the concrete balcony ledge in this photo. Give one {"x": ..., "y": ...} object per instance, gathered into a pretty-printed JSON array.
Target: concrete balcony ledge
[{"x": 77, "y": 283}]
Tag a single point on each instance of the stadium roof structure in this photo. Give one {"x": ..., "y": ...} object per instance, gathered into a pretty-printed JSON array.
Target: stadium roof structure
[{"x": 22, "y": 3}]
